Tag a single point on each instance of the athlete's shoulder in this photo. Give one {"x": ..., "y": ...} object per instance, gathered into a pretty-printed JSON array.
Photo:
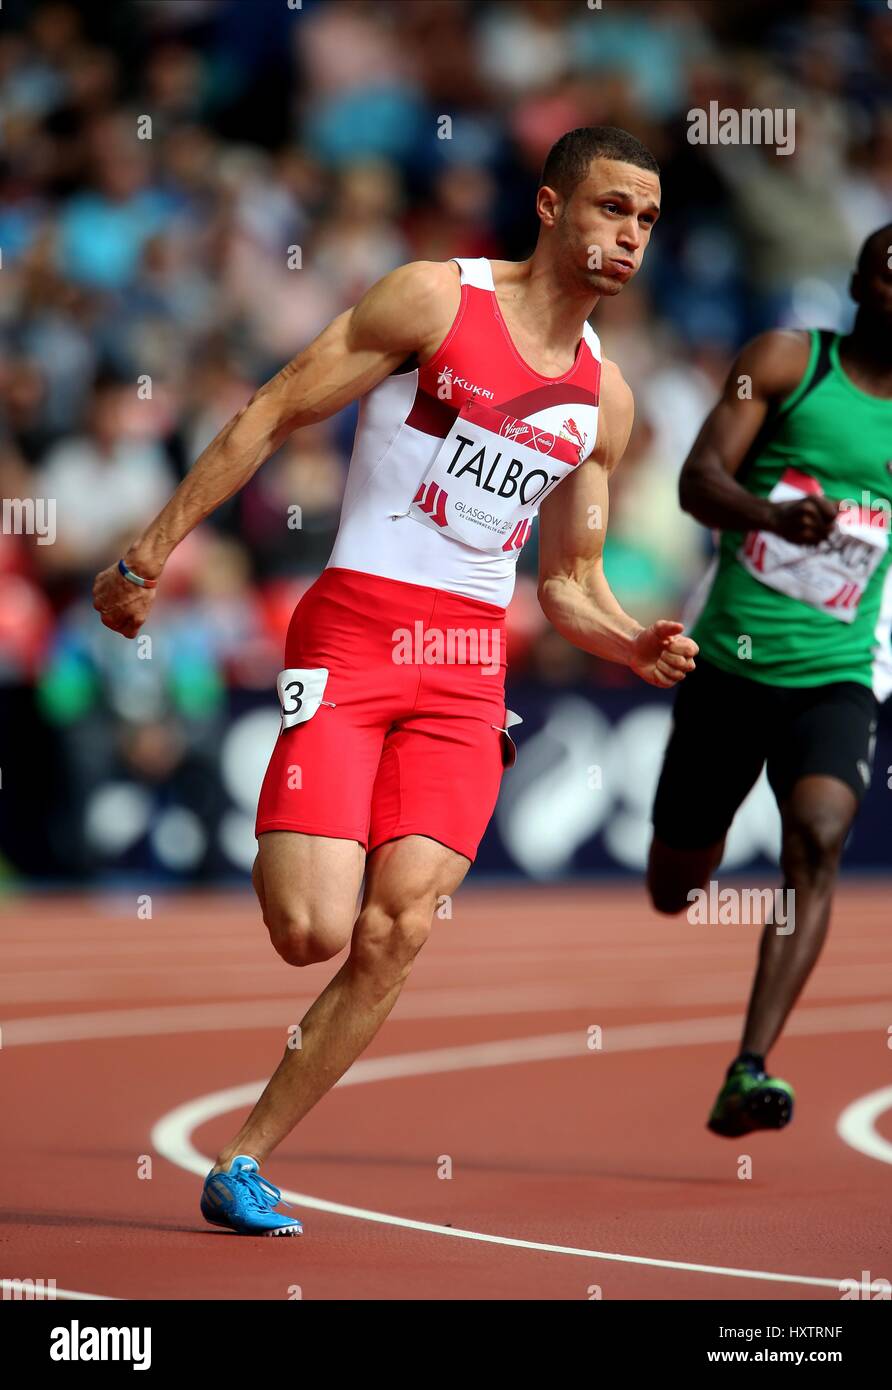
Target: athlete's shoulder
[
  {"x": 775, "y": 361},
  {"x": 422, "y": 286},
  {"x": 423, "y": 278},
  {"x": 613, "y": 383},
  {"x": 616, "y": 414},
  {"x": 410, "y": 305},
  {"x": 616, "y": 393}
]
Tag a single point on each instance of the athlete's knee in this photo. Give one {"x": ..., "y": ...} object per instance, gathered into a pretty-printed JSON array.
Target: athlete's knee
[
  {"x": 666, "y": 894},
  {"x": 303, "y": 934},
  {"x": 670, "y": 880},
  {"x": 389, "y": 938},
  {"x": 813, "y": 842}
]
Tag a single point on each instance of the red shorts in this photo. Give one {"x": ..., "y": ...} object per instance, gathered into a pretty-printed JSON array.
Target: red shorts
[{"x": 409, "y": 738}]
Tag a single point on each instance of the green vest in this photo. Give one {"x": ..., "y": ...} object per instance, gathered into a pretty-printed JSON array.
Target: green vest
[{"x": 812, "y": 614}]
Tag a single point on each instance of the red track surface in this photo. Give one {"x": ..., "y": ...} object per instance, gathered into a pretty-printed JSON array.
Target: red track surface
[{"x": 603, "y": 1151}]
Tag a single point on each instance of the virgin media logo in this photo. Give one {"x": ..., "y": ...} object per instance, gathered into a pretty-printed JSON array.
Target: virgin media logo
[{"x": 524, "y": 433}]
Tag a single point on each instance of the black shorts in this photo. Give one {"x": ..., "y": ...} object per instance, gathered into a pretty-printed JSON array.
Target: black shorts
[{"x": 725, "y": 727}]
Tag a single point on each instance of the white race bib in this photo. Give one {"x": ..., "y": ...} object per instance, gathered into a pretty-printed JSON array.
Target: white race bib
[
  {"x": 486, "y": 481},
  {"x": 830, "y": 576},
  {"x": 300, "y": 693}
]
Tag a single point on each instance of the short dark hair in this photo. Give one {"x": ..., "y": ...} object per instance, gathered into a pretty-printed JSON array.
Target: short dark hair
[
  {"x": 568, "y": 160},
  {"x": 878, "y": 241}
]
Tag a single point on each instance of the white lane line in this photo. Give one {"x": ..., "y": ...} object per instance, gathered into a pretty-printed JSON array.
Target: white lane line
[
  {"x": 418, "y": 1004},
  {"x": 12, "y": 1293},
  {"x": 857, "y": 1125},
  {"x": 270, "y": 1012},
  {"x": 643, "y": 987},
  {"x": 144, "y": 1023},
  {"x": 172, "y": 1134}
]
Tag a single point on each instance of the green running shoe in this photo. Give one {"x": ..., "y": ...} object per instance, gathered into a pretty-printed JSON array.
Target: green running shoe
[{"x": 750, "y": 1100}]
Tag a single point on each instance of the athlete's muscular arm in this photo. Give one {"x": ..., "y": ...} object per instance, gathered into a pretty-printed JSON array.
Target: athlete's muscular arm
[
  {"x": 573, "y": 590},
  {"x": 407, "y": 311},
  {"x": 767, "y": 371}
]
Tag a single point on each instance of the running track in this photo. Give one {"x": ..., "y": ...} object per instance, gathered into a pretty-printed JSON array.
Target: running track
[{"x": 574, "y": 1169}]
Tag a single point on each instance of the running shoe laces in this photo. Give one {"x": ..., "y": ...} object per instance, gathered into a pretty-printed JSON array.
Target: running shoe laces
[{"x": 258, "y": 1191}]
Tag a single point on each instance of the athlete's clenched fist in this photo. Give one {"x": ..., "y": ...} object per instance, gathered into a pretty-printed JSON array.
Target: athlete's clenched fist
[
  {"x": 661, "y": 655},
  {"x": 807, "y": 521},
  {"x": 121, "y": 605}
]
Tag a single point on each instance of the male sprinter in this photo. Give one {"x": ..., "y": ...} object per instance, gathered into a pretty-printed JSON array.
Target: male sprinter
[
  {"x": 793, "y": 465},
  {"x": 482, "y": 392}
]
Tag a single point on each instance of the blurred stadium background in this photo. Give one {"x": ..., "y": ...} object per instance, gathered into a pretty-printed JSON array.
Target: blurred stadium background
[{"x": 147, "y": 285}]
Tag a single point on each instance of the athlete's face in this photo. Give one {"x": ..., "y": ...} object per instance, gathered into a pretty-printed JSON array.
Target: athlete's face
[
  {"x": 606, "y": 223},
  {"x": 872, "y": 286}
]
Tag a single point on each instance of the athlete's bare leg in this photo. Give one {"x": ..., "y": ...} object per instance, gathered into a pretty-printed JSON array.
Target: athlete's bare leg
[
  {"x": 673, "y": 873},
  {"x": 815, "y": 819},
  {"x": 307, "y": 887},
  {"x": 404, "y": 880}
]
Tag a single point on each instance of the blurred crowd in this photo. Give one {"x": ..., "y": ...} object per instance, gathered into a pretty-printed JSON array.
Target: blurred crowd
[{"x": 190, "y": 191}]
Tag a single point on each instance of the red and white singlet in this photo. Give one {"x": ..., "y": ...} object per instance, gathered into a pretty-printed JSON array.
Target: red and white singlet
[
  {"x": 451, "y": 460},
  {"x": 385, "y": 733}
]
